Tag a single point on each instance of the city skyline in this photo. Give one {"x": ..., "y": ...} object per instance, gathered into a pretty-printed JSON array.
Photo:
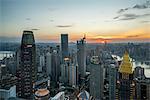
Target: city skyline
[{"x": 100, "y": 20}]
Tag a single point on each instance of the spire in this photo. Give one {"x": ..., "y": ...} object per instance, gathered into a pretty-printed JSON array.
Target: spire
[
  {"x": 126, "y": 65},
  {"x": 84, "y": 36}
]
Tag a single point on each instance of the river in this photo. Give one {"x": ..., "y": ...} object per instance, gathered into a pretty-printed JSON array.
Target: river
[{"x": 138, "y": 63}]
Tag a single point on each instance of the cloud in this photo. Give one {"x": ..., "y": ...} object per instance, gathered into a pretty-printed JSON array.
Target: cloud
[
  {"x": 28, "y": 18},
  {"x": 123, "y": 10},
  {"x": 116, "y": 17},
  {"x": 140, "y": 6},
  {"x": 52, "y": 9},
  {"x": 51, "y": 20},
  {"x": 130, "y": 16},
  {"x": 137, "y": 6},
  {"x": 144, "y": 21},
  {"x": 35, "y": 29},
  {"x": 64, "y": 26},
  {"x": 133, "y": 36}
]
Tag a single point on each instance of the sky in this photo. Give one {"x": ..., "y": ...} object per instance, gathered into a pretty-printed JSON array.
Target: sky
[{"x": 99, "y": 20}]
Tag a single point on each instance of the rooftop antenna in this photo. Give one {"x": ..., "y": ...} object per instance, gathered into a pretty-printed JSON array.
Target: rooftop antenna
[{"x": 84, "y": 36}]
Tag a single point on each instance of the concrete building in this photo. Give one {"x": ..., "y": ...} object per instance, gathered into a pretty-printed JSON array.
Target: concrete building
[
  {"x": 69, "y": 72},
  {"x": 65, "y": 70},
  {"x": 42, "y": 63},
  {"x": 142, "y": 84},
  {"x": 139, "y": 73},
  {"x": 64, "y": 46},
  {"x": 7, "y": 84},
  {"x": 81, "y": 57},
  {"x": 10, "y": 92},
  {"x": 49, "y": 64},
  {"x": 73, "y": 74},
  {"x": 142, "y": 89},
  {"x": 27, "y": 72},
  {"x": 55, "y": 69},
  {"x": 96, "y": 78},
  {"x": 112, "y": 82}
]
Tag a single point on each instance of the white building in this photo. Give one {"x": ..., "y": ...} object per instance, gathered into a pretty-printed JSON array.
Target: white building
[
  {"x": 73, "y": 75},
  {"x": 42, "y": 63},
  {"x": 6, "y": 94}
]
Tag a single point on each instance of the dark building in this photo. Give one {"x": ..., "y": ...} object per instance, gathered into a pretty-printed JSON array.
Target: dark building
[
  {"x": 27, "y": 70},
  {"x": 139, "y": 73},
  {"x": 55, "y": 69},
  {"x": 64, "y": 45},
  {"x": 142, "y": 89},
  {"x": 81, "y": 57}
]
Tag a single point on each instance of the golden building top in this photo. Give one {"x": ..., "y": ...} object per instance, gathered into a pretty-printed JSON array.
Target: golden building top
[{"x": 126, "y": 65}]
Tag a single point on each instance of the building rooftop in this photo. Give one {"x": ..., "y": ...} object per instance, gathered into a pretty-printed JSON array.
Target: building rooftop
[
  {"x": 41, "y": 92},
  {"x": 84, "y": 95},
  {"x": 126, "y": 65},
  {"x": 95, "y": 60}
]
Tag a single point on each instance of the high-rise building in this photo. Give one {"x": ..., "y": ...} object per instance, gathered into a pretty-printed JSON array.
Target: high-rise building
[
  {"x": 96, "y": 78},
  {"x": 139, "y": 72},
  {"x": 142, "y": 89},
  {"x": 41, "y": 62},
  {"x": 125, "y": 85},
  {"x": 65, "y": 70},
  {"x": 73, "y": 75},
  {"x": 81, "y": 57},
  {"x": 7, "y": 93},
  {"x": 55, "y": 69},
  {"x": 64, "y": 46},
  {"x": 112, "y": 82},
  {"x": 142, "y": 84},
  {"x": 49, "y": 64},
  {"x": 7, "y": 84},
  {"x": 27, "y": 70}
]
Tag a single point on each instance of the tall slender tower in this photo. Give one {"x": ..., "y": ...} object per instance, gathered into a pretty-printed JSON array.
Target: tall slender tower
[
  {"x": 81, "y": 57},
  {"x": 96, "y": 78},
  {"x": 64, "y": 46},
  {"x": 27, "y": 71}
]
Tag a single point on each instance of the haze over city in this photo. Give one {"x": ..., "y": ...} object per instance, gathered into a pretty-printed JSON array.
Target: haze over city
[{"x": 100, "y": 20}]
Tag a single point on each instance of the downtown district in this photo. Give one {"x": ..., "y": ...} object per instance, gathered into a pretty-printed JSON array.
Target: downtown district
[{"x": 64, "y": 72}]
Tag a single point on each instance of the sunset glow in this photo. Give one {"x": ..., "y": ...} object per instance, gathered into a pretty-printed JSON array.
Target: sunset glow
[{"x": 100, "y": 20}]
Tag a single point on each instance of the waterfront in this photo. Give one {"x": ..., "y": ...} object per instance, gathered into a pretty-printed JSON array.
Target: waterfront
[
  {"x": 137, "y": 63},
  {"x": 145, "y": 66}
]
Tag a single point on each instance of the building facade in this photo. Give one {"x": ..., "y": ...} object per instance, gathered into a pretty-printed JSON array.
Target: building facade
[
  {"x": 27, "y": 70},
  {"x": 81, "y": 57},
  {"x": 125, "y": 85},
  {"x": 64, "y": 46},
  {"x": 96, "y": 78}
]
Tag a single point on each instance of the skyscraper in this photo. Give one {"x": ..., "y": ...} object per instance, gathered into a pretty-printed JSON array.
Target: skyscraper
[
  {"x": 81, "y": 57},
  {"x": 55, "y": 67},
  {"x": 49, "y": 64},
  {"x": 27, "y": 70},
  {"x": 112, "y": 82},
  {"x": 64, "y": 46},
  {"x": 96, "y": 78},
  {"x": 125, "y": 83}
]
